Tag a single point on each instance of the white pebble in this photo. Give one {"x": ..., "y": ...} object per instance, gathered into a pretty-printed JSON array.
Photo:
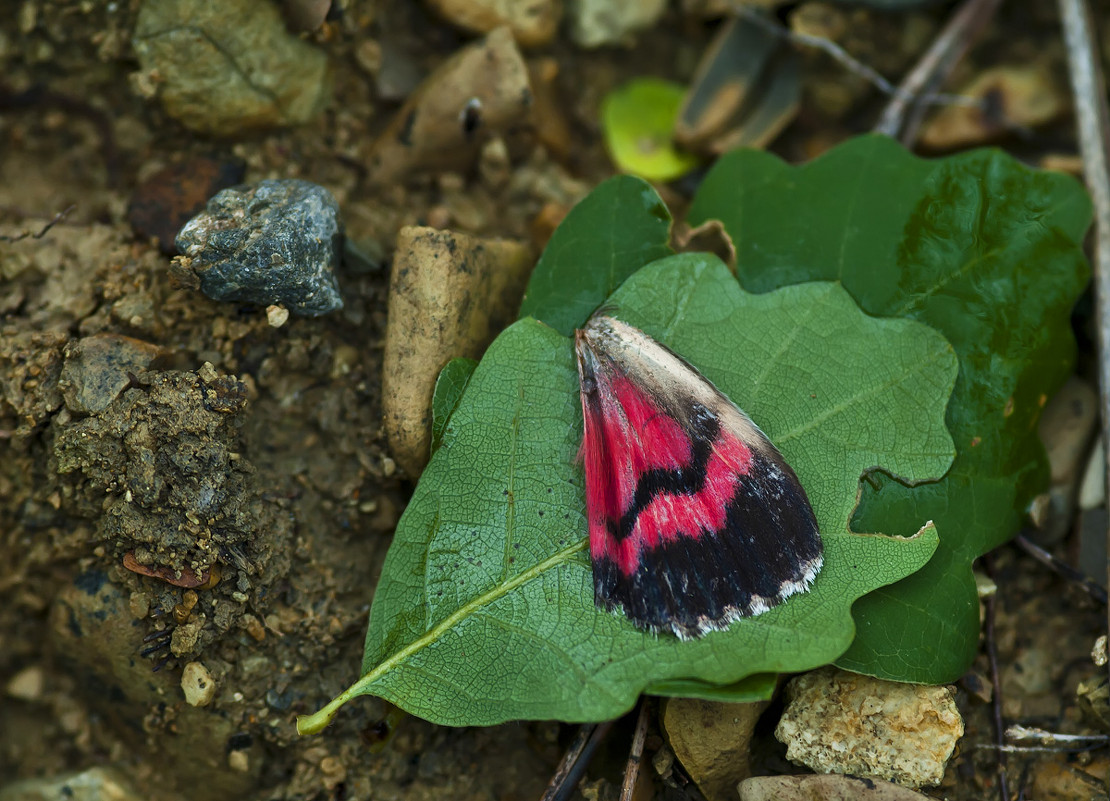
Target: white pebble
[{"x": 198, "y": 685}]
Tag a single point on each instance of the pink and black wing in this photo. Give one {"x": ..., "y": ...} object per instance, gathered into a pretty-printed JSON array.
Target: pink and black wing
[{"x": 695, "y": 519}]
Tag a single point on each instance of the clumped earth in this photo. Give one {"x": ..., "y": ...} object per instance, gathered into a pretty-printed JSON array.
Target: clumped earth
[{"x": 182, "y": 482}]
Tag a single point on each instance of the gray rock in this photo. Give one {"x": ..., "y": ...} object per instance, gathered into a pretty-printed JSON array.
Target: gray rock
[
  {"x": 276, "y": 242},
  {"x": 594, "y": 23},
  {"x": 229, "y": 68}
]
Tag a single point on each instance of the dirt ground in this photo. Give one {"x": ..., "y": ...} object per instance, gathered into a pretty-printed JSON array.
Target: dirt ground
[{"x": 276, "y": 432}]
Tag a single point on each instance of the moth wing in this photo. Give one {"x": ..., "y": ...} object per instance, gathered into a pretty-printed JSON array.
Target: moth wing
[{"x": 695, "y": 519}]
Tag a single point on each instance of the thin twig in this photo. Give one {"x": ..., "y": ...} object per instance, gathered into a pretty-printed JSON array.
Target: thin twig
[
  {"x": 933, "y": 68},
  {"x": 1091, "y": 121},
  {"x": 1038, "y": 749},
  {"x": 1063, "y": 570},
  {"x": 996, "y": 695},
  {"x": 849, "y": 62},
  {"x": 61, "y": 215},
  {"x": 636, "y": 753},
  {"x": 1019, "y": 732},
  {"x": 575, "y": 760}
]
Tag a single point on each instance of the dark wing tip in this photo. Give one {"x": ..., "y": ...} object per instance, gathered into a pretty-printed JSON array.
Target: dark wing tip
[{"x": 768, "y": 550}]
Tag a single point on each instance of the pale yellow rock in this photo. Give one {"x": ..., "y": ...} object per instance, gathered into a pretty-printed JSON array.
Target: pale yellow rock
[
  {"x": 533, "y": 22},
  {"x": 277, "y": 316},
  {"x": 197, "y": 684},
  {"x": 449, "y": 295},
  {"x": 712, "y": 741},
  {"x": 825, "y": 788},
  {"x": 840, "y": 722},
  {"x": 239, "y": 761},
  {"x": 27, "y": 684}
]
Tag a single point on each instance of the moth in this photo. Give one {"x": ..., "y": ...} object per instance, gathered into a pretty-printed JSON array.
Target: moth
[{"x": 695, "y": 519}]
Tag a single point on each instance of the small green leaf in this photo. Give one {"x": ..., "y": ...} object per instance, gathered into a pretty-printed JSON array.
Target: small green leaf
[
  {"x": 638, "y": 121},
  {"x": 987, "y": 252},
  {"x": 485, "y": 611},
  {"x": 449, "y": 389},
  {"x": 757, "y": 687},
  {"x": 614, "y": 231}
]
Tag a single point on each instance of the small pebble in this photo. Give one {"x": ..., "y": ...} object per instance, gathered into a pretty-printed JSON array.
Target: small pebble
[
  {"x": 594, "y": 23},
  {"x": 184, "y": 638},
  {"x": 254, "y": 628},
  {"x": 271, "y": 243},
  {"x": 333, "y": 770},
  {"x": 98, "y": 369},
  {"x": 239, "y": 761},
  {"x": 1098, "y": 652},
  {"x": 277, "y": 316},
  {"x": 279, "y": 701},
  {"x": 139, "y": 604},
  {"x": 197, "y": 684},
  {"x": 27, "y": 684}
]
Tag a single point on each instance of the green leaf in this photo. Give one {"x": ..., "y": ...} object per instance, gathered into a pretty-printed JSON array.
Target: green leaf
[
  {"x": 988, "y": 253},
  {"x": 449, "y": 389},
  {"x": 485, "y": 612},
  {"x": 757, "y": 687},
  {"x": 638, "y": 122},
  {"x": 614, "y": 231}
]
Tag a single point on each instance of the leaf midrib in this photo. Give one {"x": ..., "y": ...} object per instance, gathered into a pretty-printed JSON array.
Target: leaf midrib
[{"x": 487, "y": 598}]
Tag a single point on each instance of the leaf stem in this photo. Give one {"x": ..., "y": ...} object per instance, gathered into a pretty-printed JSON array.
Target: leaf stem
[{"x": 313, "y": 724}]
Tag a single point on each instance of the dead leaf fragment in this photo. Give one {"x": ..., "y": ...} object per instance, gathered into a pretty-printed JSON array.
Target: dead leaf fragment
[
  {"x": 712, "y": 741},
  {"x": 1009, "y": 97},
  {"x": 187, "y": 577},
  {"x": 481, "y": 91},
  {"x": 746, "y": 90}
]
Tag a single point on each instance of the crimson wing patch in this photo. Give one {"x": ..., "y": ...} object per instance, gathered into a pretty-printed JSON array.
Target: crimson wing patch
[{"x": 695, "y": 518}]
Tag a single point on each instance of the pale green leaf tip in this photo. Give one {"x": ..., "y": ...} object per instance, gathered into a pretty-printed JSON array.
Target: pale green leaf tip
[{"x": 638, "y": 120}]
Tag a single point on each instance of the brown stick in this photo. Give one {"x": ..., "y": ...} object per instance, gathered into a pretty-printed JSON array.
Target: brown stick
[
  {"x": 575, "y": 760},
  {"x": 1061, "y": 569},
  {"x": 1089, "y": 87},
  {"x": 905, "y": 111},
  {"x": 636, "y": 753},
  {"x": 61, "y": 215},
  {"x": 996, "y": 682}
]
